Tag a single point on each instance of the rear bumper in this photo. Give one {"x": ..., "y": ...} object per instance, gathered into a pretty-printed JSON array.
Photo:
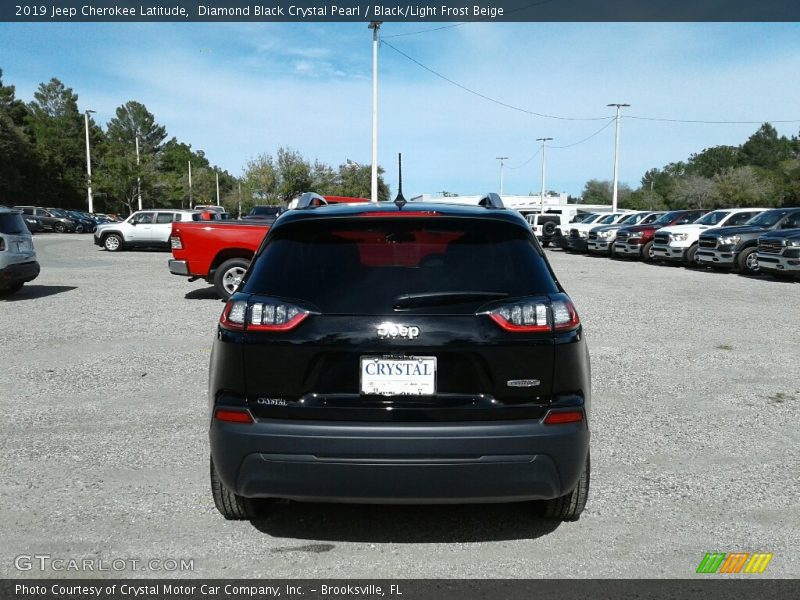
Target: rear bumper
[
  {"x": 777, "y": 263},
  {"x": 178, "y": 267},
  {"x": 18, "y": 273},
  {"x": 400, "y": 463}
]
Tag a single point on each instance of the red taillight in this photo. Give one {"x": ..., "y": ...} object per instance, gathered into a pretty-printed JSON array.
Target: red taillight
[
  {"x": 261, "y": 316},
  {"x": 565, "y": 317},
  {"x": 233, "y": 416},
  {"x": 523, "y": 316},
  {"x": 233, "y": 315},
  {"x": 562, "y": 417},
  {"x": 275, "y": 317}
]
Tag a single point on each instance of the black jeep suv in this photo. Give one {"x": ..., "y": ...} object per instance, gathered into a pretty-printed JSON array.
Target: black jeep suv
[{"x": 400, "y": 353}]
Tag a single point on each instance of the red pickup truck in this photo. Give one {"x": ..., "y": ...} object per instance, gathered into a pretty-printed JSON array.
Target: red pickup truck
[{"x": 220, "y": 251}]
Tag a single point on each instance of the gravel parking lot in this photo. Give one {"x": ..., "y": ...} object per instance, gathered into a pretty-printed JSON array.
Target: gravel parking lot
[{"x": 695, "y": 442}]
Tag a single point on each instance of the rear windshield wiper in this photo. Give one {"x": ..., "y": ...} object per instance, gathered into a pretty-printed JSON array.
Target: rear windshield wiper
[{"x": 442, "y": 298}]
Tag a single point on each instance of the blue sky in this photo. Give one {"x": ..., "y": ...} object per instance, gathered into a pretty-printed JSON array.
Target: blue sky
[{"x": 237, "y": 90}]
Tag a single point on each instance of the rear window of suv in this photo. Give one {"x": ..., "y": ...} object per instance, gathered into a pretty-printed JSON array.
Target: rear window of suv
[
  {"x": 363, "y": 266},
  {"x": 12, "y": 224}
]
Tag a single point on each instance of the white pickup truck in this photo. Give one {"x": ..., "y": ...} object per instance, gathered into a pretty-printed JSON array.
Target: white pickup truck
[{"x": 679, "y": 243}]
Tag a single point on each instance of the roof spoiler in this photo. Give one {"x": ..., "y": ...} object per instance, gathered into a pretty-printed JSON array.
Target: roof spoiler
[{"x": 491, "y": 200}]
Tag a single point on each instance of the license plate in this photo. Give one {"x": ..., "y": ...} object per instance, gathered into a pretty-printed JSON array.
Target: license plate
[{"x": 411, "y": 376}]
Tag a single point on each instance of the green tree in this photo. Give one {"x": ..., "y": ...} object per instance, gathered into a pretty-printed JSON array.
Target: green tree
[
  {"x": 133, "y": 120},
  {"x": 261, "y": 180},
  {"x": 294, "y": 175},
  {"x": 714, "y": 160},
  {"x": 57, "y": 130},
  {"x": 765, "y": 148},
  {"x": 743, "y": 186},
  {"x": 695, "y": 191}
]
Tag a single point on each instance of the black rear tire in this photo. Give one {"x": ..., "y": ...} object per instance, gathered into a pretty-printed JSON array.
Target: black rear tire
[
  {"x": 545, "y": 243},
  {"x": 227, "y": 274},
  {"x": 231, "y": 506},
  {"x": 59, "y": 227},
  {"x": 570, "y": 506}
]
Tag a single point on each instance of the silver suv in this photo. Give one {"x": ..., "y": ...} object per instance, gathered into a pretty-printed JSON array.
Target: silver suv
[{"x": 18, "y": 263}]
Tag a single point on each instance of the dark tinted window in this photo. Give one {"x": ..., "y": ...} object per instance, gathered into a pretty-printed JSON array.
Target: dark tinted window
[
  {"x": 792, "y": 221},
  {"x": 667, "y": 218},
  {"x": 739, "y": 219},
  {"x": 767, "y": 218},
  {"x": 12, "y": 223},
  {"x": 164, "y": 217},
  {"x": 363, "y": 265}
]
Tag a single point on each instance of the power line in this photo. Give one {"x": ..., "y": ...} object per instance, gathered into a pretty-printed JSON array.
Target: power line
[
  {"x": 527, "y": 161},
  {"x": 562, "y": 118},
  {"x": 586, "y": 139},
  {"x": 454, "y": 25},
  {"x": 489, "y": 98},
  {"x": 711, "y": 122}
]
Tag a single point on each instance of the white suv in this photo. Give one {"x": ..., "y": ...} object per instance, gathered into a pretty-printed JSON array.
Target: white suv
[
  {"x": 145, "y": 228},
  {"x": 679, "y": 243}
]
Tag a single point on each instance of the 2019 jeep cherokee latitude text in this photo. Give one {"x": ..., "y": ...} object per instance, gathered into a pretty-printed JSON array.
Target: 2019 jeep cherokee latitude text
[{"x": 380, "y": 354}]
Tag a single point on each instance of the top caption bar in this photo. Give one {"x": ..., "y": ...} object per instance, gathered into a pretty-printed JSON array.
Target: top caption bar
[{"x": 468, "y": 10}]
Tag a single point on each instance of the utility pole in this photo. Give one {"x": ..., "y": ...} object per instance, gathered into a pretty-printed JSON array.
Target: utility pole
[
  {"x": 501, "y": 159},
  {"x": 544, "y": 141},
  {"x": 375, "y": 26},
  {"x": 239, "y": 216},
  {"x": 616, "y": 158},
  {"x": 190, "y": 184},
  {"x": 217, "y": 174},
  {"x": 88, "y": 162},
  {"x": 138, "y": 178}
]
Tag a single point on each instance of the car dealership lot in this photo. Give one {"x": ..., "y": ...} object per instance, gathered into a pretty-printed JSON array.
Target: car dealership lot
[{"x": 695, "y": 442}]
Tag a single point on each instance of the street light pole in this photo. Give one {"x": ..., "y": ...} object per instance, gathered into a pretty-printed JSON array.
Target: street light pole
[
  {"x": 616, "y": 158},
  {"x": 501, "y": 159},
  {"x": 138, "y": 178},
  {"x": 190, "y": 184},
  {"x": 544, "y": 141},
  {"x": 88, "y": 162},
  {"x": 217, "y": 174},
  {"x": 375, "y": 26}
]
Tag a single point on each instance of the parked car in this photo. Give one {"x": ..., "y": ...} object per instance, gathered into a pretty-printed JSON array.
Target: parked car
[
  {"x": 52, "y": 219},
  {"x": 34, "y": 224},
  {"x": 267, "y": 214},
  {"x": 561, "y": 240},
  {"x": 218, "y": 252},
  {"x": 425, "y": 354},
  {"x": 18, "y": 264},
  {"x": 601, "y": 238},
  {"x": 143, "y": 229},
  {"x": 737, "y": 247},
  {"x": 681, "y": 242},
  {"x": 545, "y": 225},
  {"x": 85, "y": 223},
  {"x": 779, "y": 253},
  {"x": 221, "y": 213},
  {"x": 637, "y": 241},
  {"x": 578, "y": 239}
]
